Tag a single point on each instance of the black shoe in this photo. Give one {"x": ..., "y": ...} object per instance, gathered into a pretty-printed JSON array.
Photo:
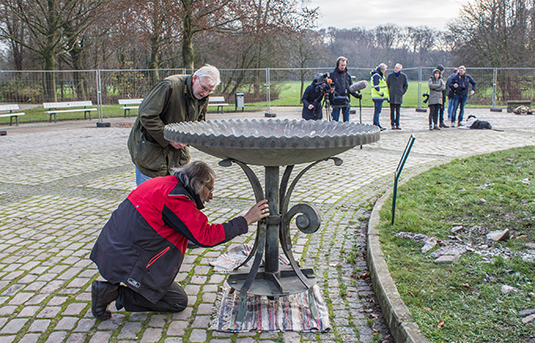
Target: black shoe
[
  {"x": 102, "y": 294},
  {"x": 444, "y": 126},
  {"x": 192, "y": 245},
  {"x": 382, "y": 128},
  {"x": 398, "y": 128}
]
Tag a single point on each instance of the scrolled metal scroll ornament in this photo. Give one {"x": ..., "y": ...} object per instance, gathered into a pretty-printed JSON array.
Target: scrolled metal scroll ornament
[{"x": 308, "y": 220}]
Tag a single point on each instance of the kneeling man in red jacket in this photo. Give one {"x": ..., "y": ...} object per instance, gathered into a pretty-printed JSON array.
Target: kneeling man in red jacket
[{"x": 141, "y": 247}]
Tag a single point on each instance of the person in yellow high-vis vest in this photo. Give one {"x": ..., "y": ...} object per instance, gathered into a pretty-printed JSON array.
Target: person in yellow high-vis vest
[{"x": 379, "y": 92}]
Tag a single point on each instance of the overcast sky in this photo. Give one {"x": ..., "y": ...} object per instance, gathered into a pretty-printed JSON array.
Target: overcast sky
[{"x": 347, "y": 14}]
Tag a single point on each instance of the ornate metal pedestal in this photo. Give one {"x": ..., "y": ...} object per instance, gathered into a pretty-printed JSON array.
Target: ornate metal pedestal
[{"x": 274, "y": 143}]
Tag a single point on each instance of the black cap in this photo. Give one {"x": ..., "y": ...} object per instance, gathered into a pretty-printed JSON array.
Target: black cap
[{"x": 440, "y": 67}]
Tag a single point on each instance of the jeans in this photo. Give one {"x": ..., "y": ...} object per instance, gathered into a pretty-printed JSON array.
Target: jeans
[
  {"x": 140, "y": 178},
  {"x": 450, "y": 108},
  {"x": 377, "y": 111},
  {"x": 345, "y": 113},
  {"x": 175, "y": 300},
  {"x": 394, "y": 114},
  {"x": 458, "y": 101}
]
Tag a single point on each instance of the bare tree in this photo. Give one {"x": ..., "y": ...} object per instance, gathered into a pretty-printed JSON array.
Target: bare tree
[
  {"x": 494, "y": 33},
  {"x": 45, "y": 21}
]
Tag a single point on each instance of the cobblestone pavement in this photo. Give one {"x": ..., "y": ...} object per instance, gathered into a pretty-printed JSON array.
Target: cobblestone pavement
[{"x": 59, "y": 184}]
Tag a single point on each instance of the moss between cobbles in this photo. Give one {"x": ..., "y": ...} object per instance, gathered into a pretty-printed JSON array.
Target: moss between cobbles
[{"x": 464, "y": 302}]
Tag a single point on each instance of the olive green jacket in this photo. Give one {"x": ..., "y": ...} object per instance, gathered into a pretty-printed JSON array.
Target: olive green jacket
[{"x": 169, "y": 101}]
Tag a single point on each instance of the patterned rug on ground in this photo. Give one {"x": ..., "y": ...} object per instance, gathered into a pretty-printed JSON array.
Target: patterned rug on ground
[{"x": 288, "y": 313}]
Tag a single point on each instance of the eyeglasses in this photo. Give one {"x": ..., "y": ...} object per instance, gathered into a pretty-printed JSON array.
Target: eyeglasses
[
  {"x": 205, "y": 89},
  {"x": 210, "y": 188}
]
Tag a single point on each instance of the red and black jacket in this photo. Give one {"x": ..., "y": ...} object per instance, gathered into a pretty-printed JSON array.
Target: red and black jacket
[{"x": 143, "y": 243}]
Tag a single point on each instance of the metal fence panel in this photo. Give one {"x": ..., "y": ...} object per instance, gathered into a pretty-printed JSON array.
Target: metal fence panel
[{"x": 269, "y": 86}]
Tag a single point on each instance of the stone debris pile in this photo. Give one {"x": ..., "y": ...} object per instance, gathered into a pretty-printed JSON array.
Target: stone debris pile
[{"x": 476, "y": 239}]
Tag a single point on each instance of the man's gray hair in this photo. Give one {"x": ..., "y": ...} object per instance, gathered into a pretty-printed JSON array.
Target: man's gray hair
[
  {"x": 399, "y": 65},
  {"x": 210, "y": 74},
  {"x": 195, "y": 175},
  {"x": 382, "y": 66}
]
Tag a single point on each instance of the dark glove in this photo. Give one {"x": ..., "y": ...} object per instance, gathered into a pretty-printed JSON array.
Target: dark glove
[{"x": 358, "y": 95}]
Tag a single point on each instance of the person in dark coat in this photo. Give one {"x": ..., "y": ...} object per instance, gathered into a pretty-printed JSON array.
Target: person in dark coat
[
  {"x": 312, "y": 97},
  {"x": 140, "y": 249},
  {"x": 398, "y": 84},
  {"x": 460, "y": 85},
  {"x": 450, "y": 92},
  {"x": 342, "y": 81}
]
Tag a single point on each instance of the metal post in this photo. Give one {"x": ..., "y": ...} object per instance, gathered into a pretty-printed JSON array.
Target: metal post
[
  {"x": 100, "y": 122},
  {"x": 398, "y": 173},
  {"x": 268, "y": 95},
  {"x": 419, "y": 86},
  {"x": 494, "y": 89},
  {"x": 272, "y": 237},
  {"x": 419, "y": 108}
]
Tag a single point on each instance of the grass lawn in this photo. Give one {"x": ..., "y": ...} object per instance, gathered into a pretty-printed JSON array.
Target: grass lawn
[{"x": 464, "y": 301}]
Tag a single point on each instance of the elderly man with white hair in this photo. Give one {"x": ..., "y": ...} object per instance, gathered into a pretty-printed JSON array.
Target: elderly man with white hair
[
  {"x": 175, "y": 99},
  {"x": 397, "y": 86}
]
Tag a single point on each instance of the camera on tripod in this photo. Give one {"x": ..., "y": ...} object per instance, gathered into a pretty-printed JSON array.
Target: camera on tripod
[{"x": 324, "y": 84}]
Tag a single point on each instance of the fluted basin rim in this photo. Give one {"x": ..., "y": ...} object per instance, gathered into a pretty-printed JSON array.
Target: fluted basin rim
[{"x": 272, "y": 133}]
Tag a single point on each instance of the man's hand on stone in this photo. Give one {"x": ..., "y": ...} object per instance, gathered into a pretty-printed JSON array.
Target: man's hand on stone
[{"x": 177, "y": 145}]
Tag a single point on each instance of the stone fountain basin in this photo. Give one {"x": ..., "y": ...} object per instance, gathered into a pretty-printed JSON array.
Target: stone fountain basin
[{"x": 272, "y": 142}]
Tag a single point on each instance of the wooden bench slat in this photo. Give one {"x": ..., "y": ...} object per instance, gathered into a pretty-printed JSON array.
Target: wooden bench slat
[
  {"x": 77, "y": 110},
  {"x": 10, "y": 107},
  {"x": 12, "y": 114}
]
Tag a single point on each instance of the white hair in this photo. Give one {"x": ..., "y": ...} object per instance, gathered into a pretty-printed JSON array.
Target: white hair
[
  {"x": 382, "y": 66},
  {"x": 399, "y": 65},
  {"x": 210, "y": 73}
]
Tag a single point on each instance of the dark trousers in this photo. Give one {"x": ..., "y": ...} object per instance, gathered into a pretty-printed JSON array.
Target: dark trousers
[
  {"x": 394, "y": 114},
  {"x": 441, "y": 115},
  {"x": 433, "y": 114},
  {"x": 378, "y": 106},
  {"x": 175, "y": 300}
]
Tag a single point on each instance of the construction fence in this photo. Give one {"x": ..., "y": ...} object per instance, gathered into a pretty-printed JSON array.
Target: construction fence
[{"x": 258, "y": 86}]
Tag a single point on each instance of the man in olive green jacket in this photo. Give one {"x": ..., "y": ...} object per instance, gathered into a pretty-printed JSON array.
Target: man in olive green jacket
[{"x": 175, "y": 99}]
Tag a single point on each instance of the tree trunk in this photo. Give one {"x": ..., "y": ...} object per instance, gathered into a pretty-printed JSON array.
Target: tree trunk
[{"x": 188, "y": 54}]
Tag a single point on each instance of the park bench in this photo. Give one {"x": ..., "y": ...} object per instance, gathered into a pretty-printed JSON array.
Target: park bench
[
  {"x": 218, "y": 101},
  {"x": 512, "y": 104},
  {"x": 57, "y": 107},
  {"x": 128, "y": 104},
  {"x": 11, "y": 115}
]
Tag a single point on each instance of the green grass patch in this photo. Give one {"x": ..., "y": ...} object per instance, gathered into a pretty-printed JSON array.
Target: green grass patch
[{"x": 464, "y": 302}]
